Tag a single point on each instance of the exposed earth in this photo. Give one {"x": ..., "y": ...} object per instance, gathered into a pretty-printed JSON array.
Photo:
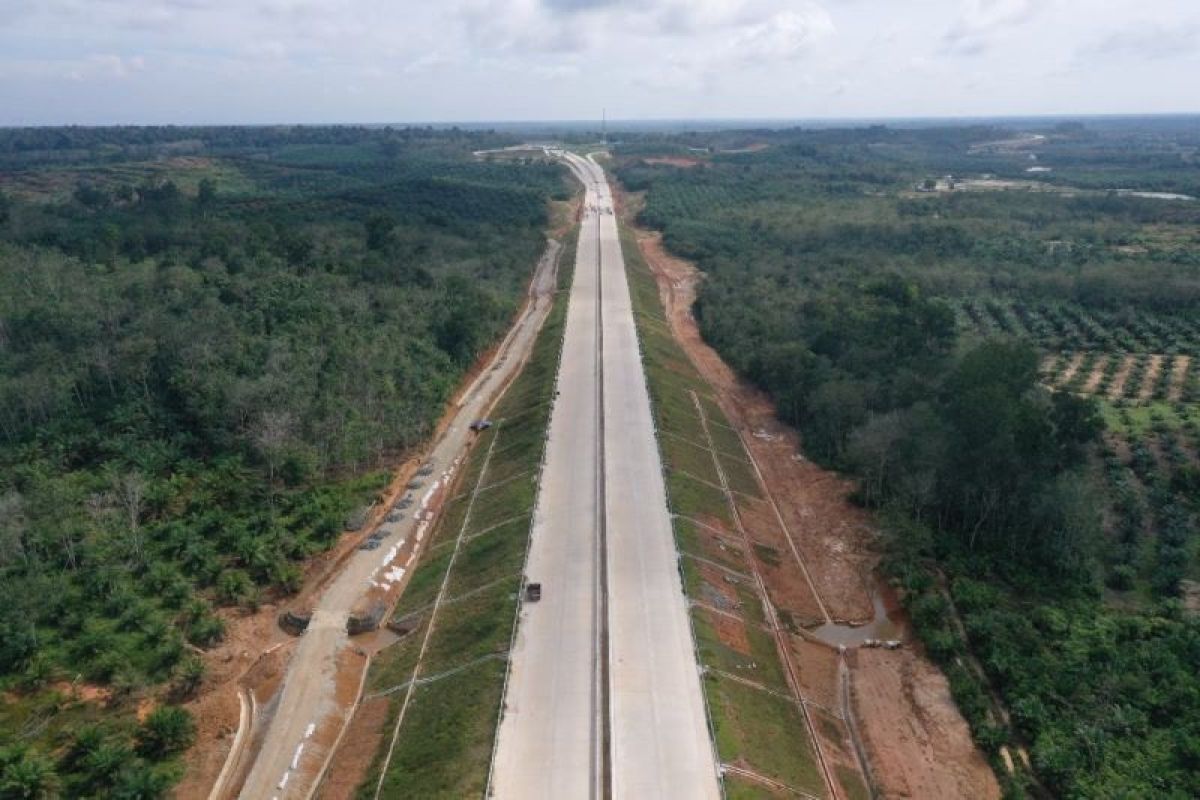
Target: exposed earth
[{"x": 916, "y": 742}]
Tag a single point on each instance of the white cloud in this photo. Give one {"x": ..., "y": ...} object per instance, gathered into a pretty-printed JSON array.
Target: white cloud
[
  {"x": 1147, "y": 41},
  {"x": 785, "y": 36},
  {"x": 982, "y": 22},
  {"x": 263, "y": 60}
]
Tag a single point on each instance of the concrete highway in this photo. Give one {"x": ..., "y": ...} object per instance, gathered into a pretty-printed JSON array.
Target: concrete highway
[
  {"x": 550, "y": 740},
  {"x": 289, "y": 762},
  {"x": 604, "y": 695}
]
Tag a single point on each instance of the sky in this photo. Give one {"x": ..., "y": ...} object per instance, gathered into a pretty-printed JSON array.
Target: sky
[{"x": 403, "y": 61}]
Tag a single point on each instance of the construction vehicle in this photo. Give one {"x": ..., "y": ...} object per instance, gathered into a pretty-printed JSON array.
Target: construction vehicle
[{"x": 533, "y": 592}]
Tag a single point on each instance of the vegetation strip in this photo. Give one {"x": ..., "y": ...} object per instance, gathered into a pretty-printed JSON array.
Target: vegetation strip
[
  {"x": 427, "y": 679},
  {"x": 430, "y": 627},
  {"x": 461, "y": 710},
  {"x": 677, "y": 406},
  {"x": 777, "y": 631}
]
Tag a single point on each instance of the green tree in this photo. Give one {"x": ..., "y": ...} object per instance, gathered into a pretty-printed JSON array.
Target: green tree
[
  {"x": 27, "y": 775},
  {"x": 206, "y": 193},
  {"x": 167, "y": 730}
]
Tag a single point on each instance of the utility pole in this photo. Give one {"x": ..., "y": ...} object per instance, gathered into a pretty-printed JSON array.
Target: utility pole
[{"x": 604, "y": 127}]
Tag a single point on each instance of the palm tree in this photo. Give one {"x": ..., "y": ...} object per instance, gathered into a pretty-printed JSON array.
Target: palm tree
[{"x": 29, "y": 776}]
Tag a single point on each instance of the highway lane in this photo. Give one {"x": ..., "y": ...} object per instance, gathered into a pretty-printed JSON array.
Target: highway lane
[
  {"x": 661, "y": 746},
  {"x": 647, "y": 711},
  {"x": 289, "y": 762},
  {"x": 549, "y": 742}
]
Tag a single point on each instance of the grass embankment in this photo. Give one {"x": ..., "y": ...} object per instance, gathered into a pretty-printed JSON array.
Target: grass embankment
[
  {"x": 755, "y": 725},
  {"x": 445, "y": 742}
]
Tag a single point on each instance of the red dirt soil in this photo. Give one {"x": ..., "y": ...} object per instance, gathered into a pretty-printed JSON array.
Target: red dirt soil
[
  {"x": 362, "y": 740},
  {"x": 718, "y": 544},
  {"x": 818, "y": 671},
  {"x": 838, "y": 750},
  {"x": 731, "y": 632},
  {"x": 237, "y": 661},
  {"x": 785, "y": 583},
  {"x": 918, "y": 744}
]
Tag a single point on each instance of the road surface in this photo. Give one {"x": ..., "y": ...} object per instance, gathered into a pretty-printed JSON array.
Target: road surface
[
  {"x": 603, "y": 673},
  {"x": 550, "y": 740},
  {"x": 289, "y": 762}
]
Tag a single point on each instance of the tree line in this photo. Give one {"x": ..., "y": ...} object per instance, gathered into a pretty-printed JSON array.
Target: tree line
[
  {"x": 827, "y": 284},
  {"x": 199, "y": 387}
]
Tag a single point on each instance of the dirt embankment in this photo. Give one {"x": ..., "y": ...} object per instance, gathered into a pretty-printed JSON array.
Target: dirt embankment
[
  {"x": 250, "y": 657},
  {"x": 916, "y": 742}
]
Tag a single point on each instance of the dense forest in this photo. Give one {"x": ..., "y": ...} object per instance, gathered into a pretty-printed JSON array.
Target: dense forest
[
  {"x": 905, "y": 297},
  {"x": 211, "y": 343}
]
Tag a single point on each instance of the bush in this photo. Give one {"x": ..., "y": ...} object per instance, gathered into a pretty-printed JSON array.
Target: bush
[
  {"x": 1121, "y": 577},
  {"x": 166, "y": 731}
]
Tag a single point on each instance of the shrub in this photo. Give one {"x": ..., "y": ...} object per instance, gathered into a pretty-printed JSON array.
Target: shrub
[{"x": 166, "y": 731}]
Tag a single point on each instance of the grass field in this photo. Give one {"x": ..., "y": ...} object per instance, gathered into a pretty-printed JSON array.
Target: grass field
[{"x": 763, "y": 731}]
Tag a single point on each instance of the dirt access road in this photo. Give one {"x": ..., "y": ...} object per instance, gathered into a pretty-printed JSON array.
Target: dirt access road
[
  {"x": 604, "y": 696},
  {"x": 310, "y": 712},
  {"x": 916, "y": 743}
]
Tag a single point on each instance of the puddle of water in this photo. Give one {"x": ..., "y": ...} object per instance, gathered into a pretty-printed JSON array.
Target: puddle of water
[{"x": 882, "y": 627}]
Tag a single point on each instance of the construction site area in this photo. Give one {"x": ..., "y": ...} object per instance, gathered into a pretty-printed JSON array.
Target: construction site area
[{"x": 433, "y": 681}]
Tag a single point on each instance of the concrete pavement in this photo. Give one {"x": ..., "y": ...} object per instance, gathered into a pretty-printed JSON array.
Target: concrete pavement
[
  {"x": 549, "y": 741},
  {"x": 613, "y": 610}
]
